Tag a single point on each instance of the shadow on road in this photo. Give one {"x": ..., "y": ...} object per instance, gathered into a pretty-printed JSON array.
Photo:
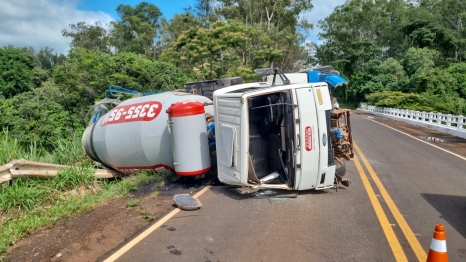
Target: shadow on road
[
  {"x": 451, "y": 208},
  {"x": 230, "y": 191},
  {"x": 181, "y": 184},
  {"x": 243, "y": 193}
]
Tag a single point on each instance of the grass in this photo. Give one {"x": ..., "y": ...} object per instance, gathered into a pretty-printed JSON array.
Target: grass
[
  {"x": 28, "y": 204},
  {"x": 149, "y": 217},
  {"x": 144, "y": 214},
  {"x": 133, "y": 203},
  {"x": 155, "y": 194},
  {"x": 10, "y": 149}
]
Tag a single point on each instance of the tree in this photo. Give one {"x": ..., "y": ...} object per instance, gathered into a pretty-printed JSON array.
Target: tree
[
  {"x": 423, "y": 28},
  {"x": 278, "y": 19},
  {"x": 47, "y": 60},
  {"x": 171, "y": 29},
  {"x": 222, "y": 50},
  {"x": 282, "y": 14},
  {"x": 393, "y": 39},
  {"x": 89, "y": 36},
  {"x": 452, "y": 18},
  {"x": 419, "y": 60},
  {"x": 16, "y": 71},
  {"x": 205, "y": 11},
  {"x": 35, "y": 117},
  {"x": 44, "y": 58},
  {"x": 86, "y": 75},
  {"x": 354, "y": 34},
  {"x": 458, "y": 71},
  {"x": 454, "y": 14},
  {"x": 136, "y": 30},
  {"x": 393, "y": 75}
]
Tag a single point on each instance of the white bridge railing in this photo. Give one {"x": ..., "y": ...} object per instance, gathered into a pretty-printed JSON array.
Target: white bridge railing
[{"x": 452, "y": 124}]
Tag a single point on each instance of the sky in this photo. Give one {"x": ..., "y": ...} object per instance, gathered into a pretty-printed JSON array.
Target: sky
[{"x": 38, "y": 23}]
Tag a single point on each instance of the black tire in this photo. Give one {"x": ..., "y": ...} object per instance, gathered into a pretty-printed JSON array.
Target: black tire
[{"x": 340, "y": 169}]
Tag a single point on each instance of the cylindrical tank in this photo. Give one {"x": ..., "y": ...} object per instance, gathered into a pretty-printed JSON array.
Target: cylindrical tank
[
  {"x": 188, "y": 130},
  {"x": 134, "y": 135}
]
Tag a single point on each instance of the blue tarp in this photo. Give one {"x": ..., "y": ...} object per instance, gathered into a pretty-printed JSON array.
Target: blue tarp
[{"x": 333, "y": 80}]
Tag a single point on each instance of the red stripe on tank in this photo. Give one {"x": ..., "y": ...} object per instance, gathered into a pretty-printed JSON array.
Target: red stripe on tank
[{"x": 193, "y": 173}]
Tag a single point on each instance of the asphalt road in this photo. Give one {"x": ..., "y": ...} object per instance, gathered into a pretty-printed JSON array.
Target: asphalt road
[{"x": 401, "y": 188}]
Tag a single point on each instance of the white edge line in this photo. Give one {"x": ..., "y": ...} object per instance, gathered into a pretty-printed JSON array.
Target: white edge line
[
  {"x": 151, "y": 229},
  {"x": 464, "y": 158}
]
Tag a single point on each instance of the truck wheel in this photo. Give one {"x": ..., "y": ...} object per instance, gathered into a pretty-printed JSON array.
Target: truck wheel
[{"x": 340, "y": 169}]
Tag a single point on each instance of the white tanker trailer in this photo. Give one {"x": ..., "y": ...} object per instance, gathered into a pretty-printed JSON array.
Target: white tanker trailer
[
  {"x": 134, "y": 135},
  {"x": 280, "y": 133}
]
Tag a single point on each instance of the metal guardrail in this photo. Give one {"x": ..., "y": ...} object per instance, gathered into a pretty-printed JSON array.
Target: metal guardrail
[
  {"x": 447, "y": 123},
  {"x": 24, "y": 168}
]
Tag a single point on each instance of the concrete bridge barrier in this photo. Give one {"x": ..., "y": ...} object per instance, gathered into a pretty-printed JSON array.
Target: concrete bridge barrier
[{"x": 445, "y": 123}]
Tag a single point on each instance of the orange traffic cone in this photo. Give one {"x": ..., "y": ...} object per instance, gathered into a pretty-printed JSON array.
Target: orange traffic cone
[{"x": 438, "y": 247}]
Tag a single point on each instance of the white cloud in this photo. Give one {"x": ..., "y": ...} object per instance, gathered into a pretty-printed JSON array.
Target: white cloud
[
  {"x": 322, "y": 9},
  {"x": 38, "y": 23}
]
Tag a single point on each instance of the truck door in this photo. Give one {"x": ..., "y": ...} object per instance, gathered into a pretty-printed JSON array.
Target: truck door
[
  {"x": 308, "y": 149},
  {"x": 228, "y": 141}
]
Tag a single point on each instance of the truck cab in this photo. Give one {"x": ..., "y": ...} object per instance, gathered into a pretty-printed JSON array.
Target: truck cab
[{"x": 279, "y": 134}]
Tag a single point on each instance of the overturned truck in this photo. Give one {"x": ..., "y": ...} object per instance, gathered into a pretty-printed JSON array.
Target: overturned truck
[{"x": 282, "y": 133}]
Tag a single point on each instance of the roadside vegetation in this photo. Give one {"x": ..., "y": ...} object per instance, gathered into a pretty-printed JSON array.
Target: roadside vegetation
[{"x": 27, "y": 204}]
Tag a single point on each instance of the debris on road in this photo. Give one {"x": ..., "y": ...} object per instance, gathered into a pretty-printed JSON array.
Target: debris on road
[
  {"x": 246, "y": 190},
  {"x": 275, "y": 194},
  {"x": 186, "y": 202}
]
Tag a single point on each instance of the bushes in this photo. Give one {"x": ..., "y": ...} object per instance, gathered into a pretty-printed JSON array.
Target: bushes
[
  {"x": 399, "y": 100},
  {"x": 16, "y": 71},
  {"x": 34, "y": 117},
  {"x": 11, "y": 149},
  {"x": 448, "y": 104},
  {"x": 42, "y": 111},
  {"x": 86, "y": 75}
]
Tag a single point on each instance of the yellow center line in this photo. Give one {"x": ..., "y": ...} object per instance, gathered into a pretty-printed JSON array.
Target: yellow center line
[
  {"x": 413, "y": 241},
  {"x": 387, "y": 228},
  {"x": 151, "y": 229}
]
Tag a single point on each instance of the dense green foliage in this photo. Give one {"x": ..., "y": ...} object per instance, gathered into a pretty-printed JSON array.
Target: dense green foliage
[
  {"x": 16, "y": 71},
  {"x": 224, "y": 50},
  {"x": 399, "y": 46},
  {"x": 35, "y": 116},
  {"x": 85, "y": 75}
]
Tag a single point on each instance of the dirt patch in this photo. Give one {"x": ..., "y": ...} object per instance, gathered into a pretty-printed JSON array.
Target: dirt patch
[
  {"x": 446, "y": 141},
  {"x": 90, "y": 236}
]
